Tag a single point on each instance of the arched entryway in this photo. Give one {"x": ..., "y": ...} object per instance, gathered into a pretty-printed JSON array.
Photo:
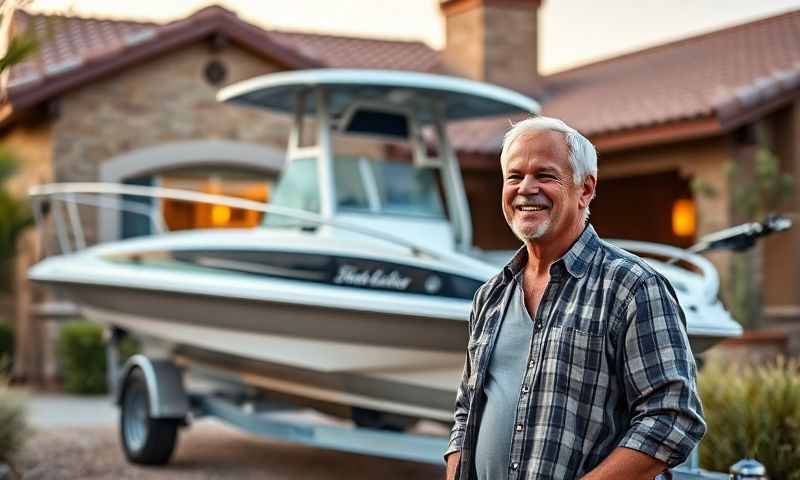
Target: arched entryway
[{"x": 213, "y": 166}]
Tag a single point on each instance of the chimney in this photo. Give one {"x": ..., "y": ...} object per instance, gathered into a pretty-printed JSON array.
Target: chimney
[{"x": 494, "y": 41}]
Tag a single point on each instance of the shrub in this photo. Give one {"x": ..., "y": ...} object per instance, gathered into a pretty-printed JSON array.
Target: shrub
[
  {"x": 752, "y": 412},
  {"x": 14, "y": 430},
  {"x": 82, "y": 353},
  {"x": 14, "y": 427}
]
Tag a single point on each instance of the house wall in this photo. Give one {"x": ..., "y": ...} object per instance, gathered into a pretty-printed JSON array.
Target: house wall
[
  {"x": 32, "y": 145},
  {"x": 163, "y": 100},
  {"x": 702, "y": 162},
  {"x": 781, "y": 263}
]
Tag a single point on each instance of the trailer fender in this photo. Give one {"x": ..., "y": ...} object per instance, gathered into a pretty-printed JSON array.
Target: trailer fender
[{"x": 165, "y": 390}]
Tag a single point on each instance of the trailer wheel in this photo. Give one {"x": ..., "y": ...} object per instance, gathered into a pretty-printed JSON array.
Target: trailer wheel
[
  {"x": 392, "y": 422},
  {"x": 145, "y": 440}
]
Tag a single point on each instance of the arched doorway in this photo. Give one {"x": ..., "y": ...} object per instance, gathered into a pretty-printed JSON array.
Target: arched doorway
[{"x": 212, "y": 166}]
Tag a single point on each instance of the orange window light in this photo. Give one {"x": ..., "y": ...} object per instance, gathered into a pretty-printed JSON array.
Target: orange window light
[
  {"x": 220, "y": 215},
  {"x": 684, "y": 217}
]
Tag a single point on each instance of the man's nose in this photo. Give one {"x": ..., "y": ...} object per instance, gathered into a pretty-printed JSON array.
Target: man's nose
[{"x": 529, "y": 184}]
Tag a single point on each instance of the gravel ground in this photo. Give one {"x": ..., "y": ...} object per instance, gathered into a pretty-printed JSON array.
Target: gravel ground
[{"x": 208, "y": 450}]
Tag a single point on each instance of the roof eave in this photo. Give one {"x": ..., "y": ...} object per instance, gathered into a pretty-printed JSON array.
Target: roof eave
[
  {"x": 681, "y": 130},
  {"x": 190, "y": 32}
]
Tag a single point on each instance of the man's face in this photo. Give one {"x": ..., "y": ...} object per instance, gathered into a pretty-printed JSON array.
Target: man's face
[{"x": 540, "y": 198}]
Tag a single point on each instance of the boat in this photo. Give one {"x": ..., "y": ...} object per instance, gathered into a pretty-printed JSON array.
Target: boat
[{"x": 355, "y": 290}]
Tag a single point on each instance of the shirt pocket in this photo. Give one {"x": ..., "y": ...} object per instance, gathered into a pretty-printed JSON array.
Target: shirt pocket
[
  {"x": 578, "y": 360},
  {"x": 591, "y": 323}
]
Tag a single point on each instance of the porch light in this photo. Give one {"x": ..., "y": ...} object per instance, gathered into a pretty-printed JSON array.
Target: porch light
[{"x": 684, "y": 217}]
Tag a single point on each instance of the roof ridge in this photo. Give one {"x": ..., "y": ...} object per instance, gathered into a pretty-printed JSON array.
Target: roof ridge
[
  {"x": 99, "y": 18},
  {"x": 674, "y": 43},
  {"x": 347, "y": 37}
]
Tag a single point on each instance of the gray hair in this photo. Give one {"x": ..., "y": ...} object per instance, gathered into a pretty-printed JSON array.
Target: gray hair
[{"x": 582, "y": 154}]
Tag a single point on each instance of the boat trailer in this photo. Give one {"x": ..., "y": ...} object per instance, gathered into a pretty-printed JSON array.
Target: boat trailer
[{"x": 154, "y": 404}]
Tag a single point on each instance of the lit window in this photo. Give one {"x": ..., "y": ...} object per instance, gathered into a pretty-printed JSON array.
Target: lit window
[{"x": 182, "y": 215}]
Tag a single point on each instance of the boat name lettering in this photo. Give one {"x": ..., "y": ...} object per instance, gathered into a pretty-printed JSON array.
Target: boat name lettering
[{"x": 350, "y": 275}]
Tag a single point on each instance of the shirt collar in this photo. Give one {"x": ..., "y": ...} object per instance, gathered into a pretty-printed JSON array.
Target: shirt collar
[{"x": 576, "y": 259}]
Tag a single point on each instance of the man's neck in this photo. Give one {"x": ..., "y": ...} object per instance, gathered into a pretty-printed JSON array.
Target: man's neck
[{"x": 542, "y": 252}]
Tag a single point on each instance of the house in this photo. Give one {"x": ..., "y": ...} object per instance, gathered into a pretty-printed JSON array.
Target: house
[{"x": 678, "y": 127}]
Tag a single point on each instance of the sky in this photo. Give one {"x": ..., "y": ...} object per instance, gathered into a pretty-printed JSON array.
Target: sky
[{"x": 572, "y": 32}]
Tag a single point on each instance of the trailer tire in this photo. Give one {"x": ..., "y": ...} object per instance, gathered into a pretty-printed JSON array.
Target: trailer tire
[{"x": 145, "y": 440}]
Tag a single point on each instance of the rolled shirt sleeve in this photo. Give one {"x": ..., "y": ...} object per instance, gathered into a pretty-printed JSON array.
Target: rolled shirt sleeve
[{"x": 659, "y": 375}]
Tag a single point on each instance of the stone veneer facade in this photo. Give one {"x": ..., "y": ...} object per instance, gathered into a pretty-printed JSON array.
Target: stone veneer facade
[
  {"x": 163, "y": 100},
  {"x": 493, "y": 41}
]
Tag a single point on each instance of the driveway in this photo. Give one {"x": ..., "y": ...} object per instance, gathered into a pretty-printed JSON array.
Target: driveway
[{"x": 76, "y": 437}]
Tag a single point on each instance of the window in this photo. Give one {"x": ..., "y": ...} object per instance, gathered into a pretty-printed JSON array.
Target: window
[
  {"x": 182, "y": 215},
  {"x": 406, "y": 190},
  {"x": 297, "y": 188},
  {"x": 351, "y": 193}
]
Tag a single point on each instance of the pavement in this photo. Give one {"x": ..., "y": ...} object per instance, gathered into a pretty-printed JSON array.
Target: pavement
[
  {"x": 47, "y": 410},
  {"x": 76, "y": 437}
]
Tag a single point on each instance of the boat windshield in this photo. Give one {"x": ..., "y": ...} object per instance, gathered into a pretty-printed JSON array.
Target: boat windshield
[{"x": 362, "y": 185}]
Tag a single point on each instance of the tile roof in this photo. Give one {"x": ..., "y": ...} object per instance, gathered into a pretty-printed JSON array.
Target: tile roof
[
  {"x": 349, "y": 52},
  {"x": 718, "y": 75},
  {"x": 714, "y": 73},
  {"x": 68, "y": 44}
]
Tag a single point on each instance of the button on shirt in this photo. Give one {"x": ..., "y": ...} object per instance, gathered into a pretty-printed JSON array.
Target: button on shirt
[{"x": 611, "y": 367}]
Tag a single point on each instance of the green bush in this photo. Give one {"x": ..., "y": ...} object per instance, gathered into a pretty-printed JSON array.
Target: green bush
[
  {"x": 752, "y": 412},
  {"x": 14, "y": 429},
  {"x": 82, "y": 353}
]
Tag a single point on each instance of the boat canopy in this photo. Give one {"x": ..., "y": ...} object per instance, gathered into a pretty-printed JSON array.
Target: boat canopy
[
  {"x": 389, "y": 106},
  {"x": 459, "y": 98}
]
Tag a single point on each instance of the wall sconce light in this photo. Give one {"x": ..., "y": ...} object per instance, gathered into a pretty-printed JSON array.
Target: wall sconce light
[{"x": 684, "y": 217}]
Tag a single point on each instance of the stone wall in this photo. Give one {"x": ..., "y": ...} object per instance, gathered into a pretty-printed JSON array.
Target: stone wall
[
  {"x": 492, "y": 41},
  {"x": 32, "y": 145},
  {"x": 781, "y": 286},
  {"x": 163, "y": 100}
]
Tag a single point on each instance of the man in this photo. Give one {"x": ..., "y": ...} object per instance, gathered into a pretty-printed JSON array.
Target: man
[{"x": 578, "y": 363}]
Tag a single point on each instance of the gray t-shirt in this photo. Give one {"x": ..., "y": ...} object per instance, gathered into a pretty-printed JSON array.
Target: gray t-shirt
[{"x": 502, "y": 388}]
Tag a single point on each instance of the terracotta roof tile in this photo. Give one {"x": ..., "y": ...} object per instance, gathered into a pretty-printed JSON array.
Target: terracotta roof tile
[
  {"x": 680, "y": 80},
  {"x": 350, "y": 52},
  {"x": 67, "y": 43},
  {"x": 719, "y": 74},
  {"x": 722, "y": 74}
]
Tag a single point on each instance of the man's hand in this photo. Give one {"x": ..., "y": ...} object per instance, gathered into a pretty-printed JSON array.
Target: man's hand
[
  {"x": 452, "y": 465},
  {"x": 624, "y": 463}
]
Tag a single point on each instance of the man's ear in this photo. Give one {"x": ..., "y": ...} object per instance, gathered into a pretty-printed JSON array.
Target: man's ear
[{"x": 587, "y": 191}]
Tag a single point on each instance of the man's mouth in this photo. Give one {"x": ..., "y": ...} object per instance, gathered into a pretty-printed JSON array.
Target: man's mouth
[{"x": 530, "y": 208}]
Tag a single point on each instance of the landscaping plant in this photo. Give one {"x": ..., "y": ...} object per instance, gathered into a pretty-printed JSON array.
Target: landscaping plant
[
  {"x": 752, "y": 412},
  {"x": 14, "y": 428},
  {"x": 82, "y": 355}
]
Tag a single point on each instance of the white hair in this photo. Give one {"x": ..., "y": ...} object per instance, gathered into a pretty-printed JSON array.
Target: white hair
[{"x": 582, "y": 154}]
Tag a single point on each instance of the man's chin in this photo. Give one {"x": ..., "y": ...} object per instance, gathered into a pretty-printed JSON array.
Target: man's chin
[{"x": 531, "y": 232}]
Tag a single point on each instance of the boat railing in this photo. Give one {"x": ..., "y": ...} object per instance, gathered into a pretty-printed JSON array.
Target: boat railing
[{"x": 63, "y": 199}]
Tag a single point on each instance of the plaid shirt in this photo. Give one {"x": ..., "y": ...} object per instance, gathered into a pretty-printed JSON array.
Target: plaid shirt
[{"x": 609, "y": 366}]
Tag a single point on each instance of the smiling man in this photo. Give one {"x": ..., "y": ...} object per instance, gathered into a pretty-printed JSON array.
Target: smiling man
[{"x": 578, "y": 363}]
